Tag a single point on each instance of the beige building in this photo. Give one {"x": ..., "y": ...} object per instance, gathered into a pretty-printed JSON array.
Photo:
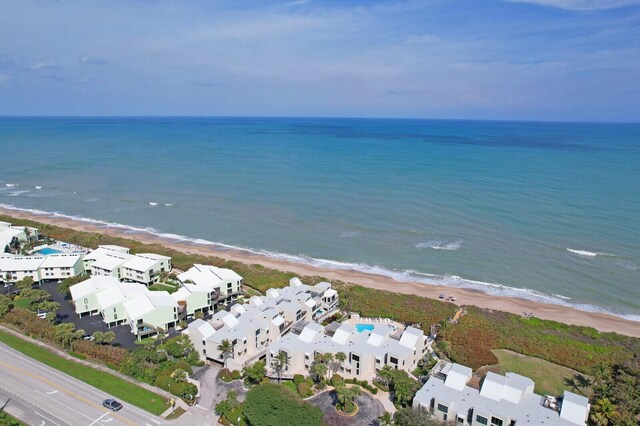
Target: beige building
[
  {"x": 253, "y": 326},
  {"x": 506, "y": 400},
  {"x": 367, "y": 350}
]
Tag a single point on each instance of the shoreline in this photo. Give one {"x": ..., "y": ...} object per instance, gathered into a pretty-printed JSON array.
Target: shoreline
[{"x": 601, "y": 321}]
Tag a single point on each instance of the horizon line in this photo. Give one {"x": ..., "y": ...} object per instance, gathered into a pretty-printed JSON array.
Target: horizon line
[{"x": 505, "y": 120}]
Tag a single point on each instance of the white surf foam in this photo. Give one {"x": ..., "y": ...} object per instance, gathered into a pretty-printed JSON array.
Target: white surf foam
[
  {"x": 168, "y": 204},
  {"x": 441, "y": 245},
  {"x": 588, "y": 253},
  {"x": 38, "y": 187},
  {"x": 151, "y": 203},
  {"x": 10, "y": 185},
  {"x": 349, "y": 234},
  {"x": 17, "y": 193},
  {"x": 398, "y": 275}
]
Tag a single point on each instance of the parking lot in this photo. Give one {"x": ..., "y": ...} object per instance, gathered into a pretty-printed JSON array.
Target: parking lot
[{"x": 90, "y": 324}]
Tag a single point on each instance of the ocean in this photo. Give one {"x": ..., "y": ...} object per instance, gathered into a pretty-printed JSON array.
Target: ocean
[{"x": 544, "y": 211}]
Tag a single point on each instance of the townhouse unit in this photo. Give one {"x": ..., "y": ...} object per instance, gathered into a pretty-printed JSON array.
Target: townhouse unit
[
  {"x": 509, "y": 400},
  {"x": 11, "y": 235},
  {"x": 146, "y": 311},
  {"x": 367, "y": 351},
  {"x": 117, "y": 262},
  {"x": 253, "y": 326},
  {"x": 39, "y": 268},
  {"x": 227, "y": 283}
]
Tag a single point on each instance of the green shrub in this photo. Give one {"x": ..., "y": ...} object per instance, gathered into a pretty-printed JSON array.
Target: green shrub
[
  {"x": 304, "y": 390},
  {"x": 235, "y": 375},
  {"x": 225, "y": 375},
  {"x": 297, "y": 379},
  {"x": 336, "y": 379},
  {"x": 309, "y": 382}
]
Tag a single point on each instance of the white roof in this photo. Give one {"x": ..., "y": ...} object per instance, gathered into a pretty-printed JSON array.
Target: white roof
[
  {"x": 458, "y": 376},
  {"x": 20, "y": 263},
  {"x": 229, "y": 320},
  {"x": 375, "y": 339},
  {"x": 310, "y": 303},
  {"x": 138, "y": 306},
  {"x": 112, "y": 247},
  {"x": 238, "y": 309},
  {"x": 181, "y": 294},
  {"x": 153, "y": 256},
  {"x": 341, "y": 336},
  {"x": 273, "y": 293},
  {"x": 92, "y": 285},
  {"x": 575, "y": 408},
  {"x": 61, "y": 261},
  {"x": 278, "y": 321},
  {"x": 295, "y": 282},
  {"x": 330, "y": 293},
  {"x": 410, "y": 337},
  {"x": 493, "y": 386},
  {"x": 206, "y": 330},
  {"x": 309, "y": 332},
  {"x": 160, "y": 298},
  {"x": 256, "y": 301},
  {"x": 108, "y": 262},
  {"x": 138, "y": 263}
]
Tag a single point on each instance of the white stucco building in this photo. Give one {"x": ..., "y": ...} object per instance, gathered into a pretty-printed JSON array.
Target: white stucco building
[
  {"x": 10, "y": 234},
  {"x": 253, "y": 326},
  {"x": 117, "y": 262},
  {"x": 39, "y": 268},
  {"x": 507, "y": 400},
  {"x": 367, "y": 350}
]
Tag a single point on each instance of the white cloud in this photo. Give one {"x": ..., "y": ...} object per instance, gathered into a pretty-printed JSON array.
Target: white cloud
[
  {"x": 92, "y": 60},
  {"x": 582, "y": 4},
  {"x": 41, "y": 65}
]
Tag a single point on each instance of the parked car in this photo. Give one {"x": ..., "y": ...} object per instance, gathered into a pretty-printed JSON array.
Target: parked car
[
  {"x": 111, "y": 404},
  {"x": 42, "y": 314},
  {"x": 87, "y": 337},
  {"x": 15, "y": 292}
]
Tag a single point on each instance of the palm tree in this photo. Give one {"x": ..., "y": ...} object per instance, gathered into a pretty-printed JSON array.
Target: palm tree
[
  {"x": 603, "y": 412},
  {"x": 280, "y": 363},
  {"x": 346, "y": 395},
  {"x": 226, "y": 348},
  {"x": 386, "y": 419},
  {"x": 340, "y": 358}
]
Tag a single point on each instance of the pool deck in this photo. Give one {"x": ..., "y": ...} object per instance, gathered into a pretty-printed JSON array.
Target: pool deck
[{"x": 357, "y": 319}]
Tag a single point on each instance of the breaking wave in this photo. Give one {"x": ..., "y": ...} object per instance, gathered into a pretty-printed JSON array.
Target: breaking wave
[
  {"x": 398, "y": 275},
  {"x": 441, "y": 245},
  {"x": 587, "y": 253}
]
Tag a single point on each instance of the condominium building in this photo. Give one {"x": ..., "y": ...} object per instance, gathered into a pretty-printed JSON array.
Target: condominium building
[
  {"x": 509, "y": 400},
  {"x": 146, "y": 311},
  {"x": 117, "y": 262},
  {"x": 251, "y": 327},
  {"x": 367, "y": 350},
  {"x": 39, "y": 268},
  {"x": 11, "y": 235},
  {"x": 226, "y": 283}
]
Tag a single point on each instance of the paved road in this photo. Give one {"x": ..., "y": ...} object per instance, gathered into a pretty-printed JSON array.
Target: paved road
[{"x": 42, "y": 396}]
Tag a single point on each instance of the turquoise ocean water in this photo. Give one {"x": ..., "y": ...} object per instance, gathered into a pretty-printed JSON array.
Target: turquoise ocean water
[{"x": 544, "y": 211}]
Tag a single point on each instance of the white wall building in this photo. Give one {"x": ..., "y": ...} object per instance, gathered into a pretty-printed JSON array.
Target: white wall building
[
  {"x": 39, "y": 268},
  {"x": 500, "y": 401},
  {"x": 227, "y": 283},
  {"x": 253, "y": 326},
  {"x": 61, "y": 266},
  {"x": 10, "y": 233},
  {"x": 117, "y": 262},
  {"x": 367, "y": 351}
]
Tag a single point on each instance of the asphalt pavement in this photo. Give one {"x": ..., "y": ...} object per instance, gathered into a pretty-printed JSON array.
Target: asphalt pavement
[{"x": 40, "y": 395}]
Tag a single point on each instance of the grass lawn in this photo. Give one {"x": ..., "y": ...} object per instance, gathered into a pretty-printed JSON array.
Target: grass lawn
[
  {"x": 549, "y": 378},
  {"x": 117, "y": 387},
  {"x": 22, "y": 303},
  {"x": 171, "y": 288},
  {"x": 7, "y": 420},
  {"x": 176, "y": 413}
]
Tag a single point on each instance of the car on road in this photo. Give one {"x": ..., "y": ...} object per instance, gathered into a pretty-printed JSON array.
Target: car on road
[{"x": 111, "y": 404}]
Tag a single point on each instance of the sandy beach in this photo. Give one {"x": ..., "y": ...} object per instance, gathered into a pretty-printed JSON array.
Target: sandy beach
[{"x": 600, "y": 321}]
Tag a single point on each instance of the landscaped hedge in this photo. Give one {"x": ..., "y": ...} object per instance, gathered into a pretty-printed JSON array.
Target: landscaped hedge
[
  {"x": 304, "y": 390},
  {"x": 297, "y": 379},
  {"x": 106, "y": 354}
]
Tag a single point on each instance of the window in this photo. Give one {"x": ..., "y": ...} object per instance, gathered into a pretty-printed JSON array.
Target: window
[
  {"x": 257, "y": 332},
  {"x": 393, "y": 360},
  {"x": 443, "y": 408},
  {"x": 496, "y": 421},
  {"x": 481, "y": 420}
]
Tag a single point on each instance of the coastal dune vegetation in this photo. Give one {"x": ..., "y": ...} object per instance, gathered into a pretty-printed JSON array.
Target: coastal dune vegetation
[{"x": 471, "y": 341}]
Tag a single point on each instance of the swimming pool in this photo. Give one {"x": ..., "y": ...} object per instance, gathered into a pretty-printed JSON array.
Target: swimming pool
[
  {"x": 364, "y": 327},
  {"x": 48, "y": 250}
]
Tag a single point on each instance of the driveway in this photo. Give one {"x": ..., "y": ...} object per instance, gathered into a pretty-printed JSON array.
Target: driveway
[
  {"x": 213, "y": 390},
  {"x": 369, "y": 409}
]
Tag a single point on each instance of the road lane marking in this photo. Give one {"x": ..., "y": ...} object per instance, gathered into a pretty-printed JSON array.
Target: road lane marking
[
  {"x": 155, "y": 421},
  {"x": 52, "y": 392},
  {"x": 99, "y": 418},
  {"x": 47, "y": 419},
  {"x": 28, "y": 405},
  {"x": 72, "y": 380},
  {"x": 63, "y": 404},
  {"x": 72, "y": 394}
]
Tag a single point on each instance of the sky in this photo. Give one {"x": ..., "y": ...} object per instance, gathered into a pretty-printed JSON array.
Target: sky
[{"x": 558, "y": 60}]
